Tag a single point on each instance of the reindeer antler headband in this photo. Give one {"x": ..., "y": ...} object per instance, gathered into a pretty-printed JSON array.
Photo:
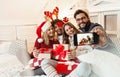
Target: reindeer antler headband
[{"x": 51, "y": 14}]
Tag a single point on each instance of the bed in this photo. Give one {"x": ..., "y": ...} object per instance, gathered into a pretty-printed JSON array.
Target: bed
[{"x": 13, "y": 58}]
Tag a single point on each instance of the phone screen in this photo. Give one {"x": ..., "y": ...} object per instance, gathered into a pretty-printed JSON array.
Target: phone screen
[{"x": 86, "y": 39}]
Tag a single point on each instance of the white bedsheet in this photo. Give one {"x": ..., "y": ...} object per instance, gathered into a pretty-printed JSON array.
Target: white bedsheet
[{"x": 10, "y": 66}]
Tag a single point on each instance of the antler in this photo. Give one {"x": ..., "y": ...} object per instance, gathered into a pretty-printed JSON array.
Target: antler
[
  {"x": 55, "y": 12},
  {"x": 48, "y": 14},
  {"x": 51, "y": 14}
]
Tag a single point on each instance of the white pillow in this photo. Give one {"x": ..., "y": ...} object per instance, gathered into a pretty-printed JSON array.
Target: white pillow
[
  {"x": 103, "y": 63},
  {"x": 4, "y": 47}
]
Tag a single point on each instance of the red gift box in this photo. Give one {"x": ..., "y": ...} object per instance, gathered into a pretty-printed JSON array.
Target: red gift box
[
  {"x": 66, "y": 67},
  {"x": 61, "y": 51},
  {"x": 44, "y": 53}
]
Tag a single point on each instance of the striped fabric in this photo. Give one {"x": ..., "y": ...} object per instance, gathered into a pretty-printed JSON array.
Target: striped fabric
[{"x": 50, "y": 70}]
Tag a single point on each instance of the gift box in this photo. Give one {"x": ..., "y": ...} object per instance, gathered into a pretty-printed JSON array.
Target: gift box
[
  {"x": 66, "y": 67},
  {"x": 34, "y": 63},
  {"x": 44, "y": 53},
  {"x": 61, "y": 51}
]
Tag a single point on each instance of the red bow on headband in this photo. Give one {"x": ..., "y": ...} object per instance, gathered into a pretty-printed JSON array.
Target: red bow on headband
[{"x": 65, "y": 19}]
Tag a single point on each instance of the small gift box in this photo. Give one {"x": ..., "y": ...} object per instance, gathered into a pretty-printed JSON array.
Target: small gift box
[
  {"x": 61, "y": 51},
  {"x": 44, "y": 53},
  {"x": 66, "y": 67}
]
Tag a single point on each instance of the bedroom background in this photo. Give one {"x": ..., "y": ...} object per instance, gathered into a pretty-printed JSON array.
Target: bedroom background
[{"x": 20, "y": 18}]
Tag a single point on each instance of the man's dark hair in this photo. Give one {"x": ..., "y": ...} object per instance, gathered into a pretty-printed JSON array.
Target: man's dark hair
[
  {"x": 55, "y": 21},
  {"x": 80, "y": 11}
]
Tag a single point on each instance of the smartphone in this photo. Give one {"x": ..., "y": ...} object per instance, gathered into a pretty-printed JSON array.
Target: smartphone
[{"x": 86, "y": 39}]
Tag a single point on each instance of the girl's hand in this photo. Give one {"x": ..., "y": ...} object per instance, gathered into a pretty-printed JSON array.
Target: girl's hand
[{"x": 72, "y": 54}]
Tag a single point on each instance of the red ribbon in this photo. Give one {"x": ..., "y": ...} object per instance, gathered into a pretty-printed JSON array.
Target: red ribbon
[{"x": 58, "y": 49}]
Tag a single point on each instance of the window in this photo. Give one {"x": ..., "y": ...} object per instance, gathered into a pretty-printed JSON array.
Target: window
[{"x": 110, "y": 23}]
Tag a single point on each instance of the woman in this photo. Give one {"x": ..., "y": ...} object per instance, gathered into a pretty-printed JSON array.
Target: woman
[{"x": 46, "y": 38}]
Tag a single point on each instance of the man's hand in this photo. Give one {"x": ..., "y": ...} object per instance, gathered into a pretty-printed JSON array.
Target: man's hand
[
  {"x": 99, "y": 31},
  {"x": 102, "y": 37}
]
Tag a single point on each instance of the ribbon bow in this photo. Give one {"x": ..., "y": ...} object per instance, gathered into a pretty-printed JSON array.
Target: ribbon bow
[
  {"x": 59, "y": 51},
  {"x": 65, "y": 19},
  {"x": 69, "y": 63}
]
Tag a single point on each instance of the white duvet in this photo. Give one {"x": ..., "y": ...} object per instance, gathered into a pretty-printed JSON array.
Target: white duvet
[
  {"x": 10, "y": 66},
  {"x": 103, "y": 63}
]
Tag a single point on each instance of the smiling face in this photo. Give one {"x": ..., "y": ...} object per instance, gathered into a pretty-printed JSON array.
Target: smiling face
[
  {"x": 58, "y": 25},
  {"x": 81, "y": 20},
  {"x": 50, "y": 31},
  {"x": 58, "y": 29},
  {"x": 69, "y": 30}
]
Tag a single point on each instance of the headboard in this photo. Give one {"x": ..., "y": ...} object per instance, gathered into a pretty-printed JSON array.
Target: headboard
[
  {"x": 17, "y": 48},
  {"x": 22, "y": 32}
]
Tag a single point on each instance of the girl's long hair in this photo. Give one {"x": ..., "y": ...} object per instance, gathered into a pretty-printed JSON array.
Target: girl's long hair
[{"x": 65, "y": 36}]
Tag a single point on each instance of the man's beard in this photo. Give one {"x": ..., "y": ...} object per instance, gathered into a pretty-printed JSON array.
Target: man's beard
[
  {"x": 84, "y": 24},
  {"x": 87, "y": 27}
]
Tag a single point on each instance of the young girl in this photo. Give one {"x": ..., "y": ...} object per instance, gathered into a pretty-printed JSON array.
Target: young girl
[
  {"x": 68, "y": 33},
  {"x": 83, "y": 69}
]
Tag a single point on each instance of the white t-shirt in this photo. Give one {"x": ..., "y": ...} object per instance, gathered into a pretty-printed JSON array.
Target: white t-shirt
[{"x": 60, "y": 38}]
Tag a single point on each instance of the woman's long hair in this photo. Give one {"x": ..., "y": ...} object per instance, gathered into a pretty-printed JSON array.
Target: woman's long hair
[
  {"x": 46, "y": 38},
  {"x": 65, "y": 36}
]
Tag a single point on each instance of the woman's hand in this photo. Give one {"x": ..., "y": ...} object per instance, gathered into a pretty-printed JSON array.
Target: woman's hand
[{"x": 35, "y": 53}]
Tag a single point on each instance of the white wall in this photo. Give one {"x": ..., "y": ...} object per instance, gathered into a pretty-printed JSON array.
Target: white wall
[
  {"x": 19, "y": 12},
  {"x": 103, "y": 5}
]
